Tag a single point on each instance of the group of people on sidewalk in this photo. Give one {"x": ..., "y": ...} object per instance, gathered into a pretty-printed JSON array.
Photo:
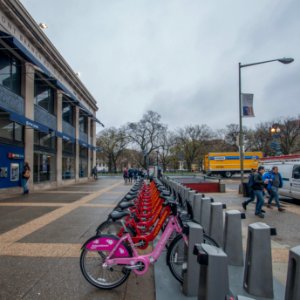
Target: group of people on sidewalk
[{"x": 263, "y": 183}]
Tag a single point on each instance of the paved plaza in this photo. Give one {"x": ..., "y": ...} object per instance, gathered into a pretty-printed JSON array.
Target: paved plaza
[{"x": 41, "y": 235}]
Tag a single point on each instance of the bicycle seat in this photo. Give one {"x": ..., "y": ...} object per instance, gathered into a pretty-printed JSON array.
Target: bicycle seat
[
  {"x": 130, "y": 197},
  {"x": 168, "y": 198},
  {"x": 126, "y": 204},
  {"x": 116, "y": 215},
  {"x": 165, "y": 194},
  {"x": 133, "y": 193}
]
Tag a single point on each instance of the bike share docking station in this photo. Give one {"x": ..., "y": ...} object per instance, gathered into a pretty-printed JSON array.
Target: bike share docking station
[
  {"x": 258, "y": 274},
  {"x": 213, "y": 277},
  {"x": 233, "y": 241},
  {"x": 292, "y": 291},
  {"x": 250, "y": 276},
  {"x": 191, "y": 270}
]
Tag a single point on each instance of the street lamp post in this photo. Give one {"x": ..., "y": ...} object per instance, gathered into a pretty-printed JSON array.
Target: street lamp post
[
  {"x": 275, "y": 133},
  {"x": 283, "y": 60}
]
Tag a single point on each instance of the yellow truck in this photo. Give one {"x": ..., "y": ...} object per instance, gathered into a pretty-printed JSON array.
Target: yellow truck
[{"x": 228, "y": 163}]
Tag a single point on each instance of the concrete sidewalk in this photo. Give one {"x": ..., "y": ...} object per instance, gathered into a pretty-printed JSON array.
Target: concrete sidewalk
[
  {"x": 41, "y": 235},
  {"x": 40, "y": 239}
]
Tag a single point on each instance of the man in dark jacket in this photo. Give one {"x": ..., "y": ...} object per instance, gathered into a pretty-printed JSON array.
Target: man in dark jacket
[
  {"x": 250, "y": 189},
  {"x": 258, "y": 188}
]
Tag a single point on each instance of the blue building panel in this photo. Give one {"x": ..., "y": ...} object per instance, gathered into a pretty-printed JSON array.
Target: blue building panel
[{"x": 11, "y": 165}]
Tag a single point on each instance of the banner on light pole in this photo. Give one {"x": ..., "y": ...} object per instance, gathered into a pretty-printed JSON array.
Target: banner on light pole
[{"x": 247, "y": 105}]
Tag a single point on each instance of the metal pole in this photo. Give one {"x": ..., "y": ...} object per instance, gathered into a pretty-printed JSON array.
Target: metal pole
[
  {"x": 283, "y": 60},
  {"x": 241, "y": 138}
]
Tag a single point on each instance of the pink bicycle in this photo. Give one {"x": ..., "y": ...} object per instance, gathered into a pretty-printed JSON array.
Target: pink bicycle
[{"x": 107, "y": 260}]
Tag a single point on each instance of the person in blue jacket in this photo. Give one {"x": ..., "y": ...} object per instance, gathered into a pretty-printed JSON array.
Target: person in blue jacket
[{"x": 274, "y": 180}]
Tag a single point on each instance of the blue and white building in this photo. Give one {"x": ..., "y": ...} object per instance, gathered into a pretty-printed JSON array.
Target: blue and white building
[{"x": 47, "y": 115}]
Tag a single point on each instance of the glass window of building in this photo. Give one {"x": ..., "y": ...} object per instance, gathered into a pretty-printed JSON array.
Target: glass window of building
[
  {"x": 92, "y": 123},
  {"x": 68, "y": 160},
  {"x": 67, "y": 111},
  {"x": 43, "y": 94},
  {"x": 82, "y": 122},
  {"x": 68, "y": 167},
  {"x": 10, "y": 132},
  {"x": 83, "y": 161},
  {"x": 10, "y": 72},
  {"x": 44, "y": 164},
  {"x": 45, "y": 140}
]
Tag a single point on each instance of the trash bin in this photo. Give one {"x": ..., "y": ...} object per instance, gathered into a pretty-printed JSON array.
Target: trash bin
[{"x": 246, "y": 192}]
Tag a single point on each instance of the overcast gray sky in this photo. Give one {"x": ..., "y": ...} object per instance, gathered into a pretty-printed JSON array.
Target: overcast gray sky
[{"x": 179, "y": 57}]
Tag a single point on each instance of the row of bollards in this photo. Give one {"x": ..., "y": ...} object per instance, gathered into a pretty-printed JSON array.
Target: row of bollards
[{"x": 208, "y": 279}]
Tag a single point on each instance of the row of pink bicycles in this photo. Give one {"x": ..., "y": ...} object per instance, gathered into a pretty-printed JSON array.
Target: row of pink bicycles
[{"x": 150, "y": 213}]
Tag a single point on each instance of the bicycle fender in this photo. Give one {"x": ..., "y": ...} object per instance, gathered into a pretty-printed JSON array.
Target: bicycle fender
[{"x": 106, "y": 242}]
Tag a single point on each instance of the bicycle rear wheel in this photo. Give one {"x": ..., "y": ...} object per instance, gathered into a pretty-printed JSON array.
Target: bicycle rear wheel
[
  {"x": 91, "y": 265},
  {"x": 176, "y": 258}
]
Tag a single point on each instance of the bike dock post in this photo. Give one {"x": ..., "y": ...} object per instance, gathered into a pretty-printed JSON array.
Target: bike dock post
[
  {"x": 258, "y": 274},
  {"x": 233, "y": 240},
  {"x": 186, "y": 193},
  {"x": 191, "y": 274},
  {"x": 214, "y": 278},
  {"x": 292, "y": 291},
  {"x": 205, "y": 213},
  {"x": 197, "y": 208},
  {"x": 191, "y": 195},
  {"x": 216, "y": 223}
]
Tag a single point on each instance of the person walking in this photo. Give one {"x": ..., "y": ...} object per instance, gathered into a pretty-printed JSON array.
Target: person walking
[
  {"x": 258, "y": 188},
  {"x": 250, "y": 189},
  {"x": 274, "y": 183},
  {"x": 25, "y": 177},
  {"x": 95, "y": 172},
  {"x": 125, "y": 175}
]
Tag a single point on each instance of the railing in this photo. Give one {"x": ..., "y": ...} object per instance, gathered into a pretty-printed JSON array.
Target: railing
[
  {"x": 43, "y": 117},
  {"x": 11, "y": 101},
  {"x": 83, "y": 136},
  {"x": 68, "y": 129}
]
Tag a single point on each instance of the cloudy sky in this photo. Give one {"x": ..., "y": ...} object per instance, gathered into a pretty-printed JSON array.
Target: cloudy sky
[{"x": 179, "y": 57}]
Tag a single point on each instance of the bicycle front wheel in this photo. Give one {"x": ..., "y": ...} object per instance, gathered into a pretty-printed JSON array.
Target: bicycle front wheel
[
  {"x": 92, "y": 270},
  {"x": 110, "y": 227},
  {"x": 177, "y": 259}
]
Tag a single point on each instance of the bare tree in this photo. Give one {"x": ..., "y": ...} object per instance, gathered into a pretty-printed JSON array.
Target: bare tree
[
  {"x": 192, "y": 141},
  {"x": 167, "y": 142},
  {"x": 112, "y": 142},
  {"x": 259, "y": 139},
  {"x": 231, "y": 135},
  {"x": 289, "y": 135},
  {"x": 146, "y": 134}
]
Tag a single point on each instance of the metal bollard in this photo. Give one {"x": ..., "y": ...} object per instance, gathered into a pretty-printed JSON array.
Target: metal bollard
[
  {"x": 292, "y": 290},
  {"x": 216, "y": 223},
  {"x": 191, "y": 274},
  {"x": 186, "y": 193},
  {"x": 205, "y": 213},
  {"x": 197, "y": 208},
  {"x": 233, "y": 240},
  {"x": 214, "y": 279},
  {"x": 258, "y": 275},
  {"x": 181, "y": 191},
  {"x": 191, "y": 195}
]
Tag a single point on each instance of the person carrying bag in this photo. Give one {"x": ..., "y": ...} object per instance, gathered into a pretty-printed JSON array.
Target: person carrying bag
[{"x": 25, "y": 177}]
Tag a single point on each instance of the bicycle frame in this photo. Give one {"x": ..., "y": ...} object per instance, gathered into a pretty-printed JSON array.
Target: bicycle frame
[{"x": 138, "y": 263}]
